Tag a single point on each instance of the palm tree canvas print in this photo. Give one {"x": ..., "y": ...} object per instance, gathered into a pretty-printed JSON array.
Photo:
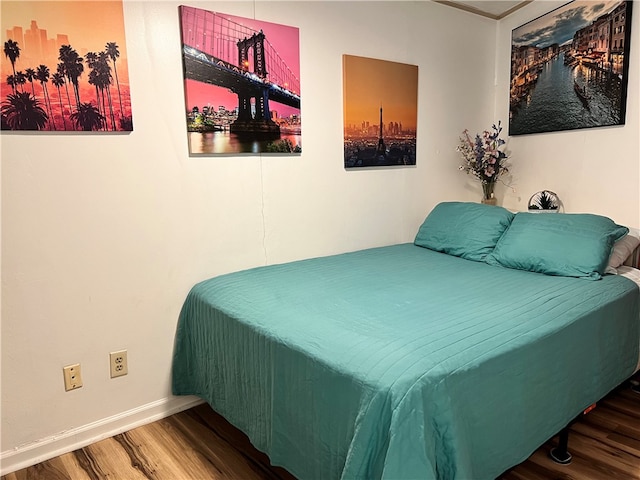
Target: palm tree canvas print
[
  {"x": 242, "y": 84},
  {"x": 62, "y": 70}
]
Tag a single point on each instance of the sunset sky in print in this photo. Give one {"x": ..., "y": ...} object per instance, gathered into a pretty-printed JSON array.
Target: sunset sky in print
[
  {"x": 86, "y": 26},
  {"x": 284, "y": 40},
  {"x": 371, "y": 83}
]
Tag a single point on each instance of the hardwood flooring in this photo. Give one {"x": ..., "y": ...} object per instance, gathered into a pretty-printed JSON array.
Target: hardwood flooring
[
  {"x": 199, "y": 444},
  {"x": 605, "y": 445}
]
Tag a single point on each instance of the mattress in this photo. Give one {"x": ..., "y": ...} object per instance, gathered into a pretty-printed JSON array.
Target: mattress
[
  {"x": 400, "y": 362},
  {"x": 632, "y": 274}
]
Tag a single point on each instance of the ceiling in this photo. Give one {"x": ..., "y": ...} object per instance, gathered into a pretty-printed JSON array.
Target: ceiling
[{"x": 492, "y": 9}]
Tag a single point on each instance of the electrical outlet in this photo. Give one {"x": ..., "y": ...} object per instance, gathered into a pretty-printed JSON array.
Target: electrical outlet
[
  {"x": 72, "y": 377},
  {"x": 118, "y": 363}
]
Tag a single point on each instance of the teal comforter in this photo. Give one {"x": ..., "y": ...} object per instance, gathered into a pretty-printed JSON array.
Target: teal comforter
[{"x": 402, "y": 363}]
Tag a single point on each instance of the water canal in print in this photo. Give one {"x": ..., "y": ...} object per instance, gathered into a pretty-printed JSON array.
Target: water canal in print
[{"x": 554, "y": 104}]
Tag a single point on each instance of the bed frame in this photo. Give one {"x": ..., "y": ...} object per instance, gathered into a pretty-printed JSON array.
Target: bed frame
[
  {"x": 226, "y": 347},
  {"x": 561, "y": 454}
]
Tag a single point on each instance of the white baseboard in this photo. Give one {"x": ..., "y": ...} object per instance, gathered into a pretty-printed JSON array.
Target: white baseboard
[{"x": 68, "y": 441}]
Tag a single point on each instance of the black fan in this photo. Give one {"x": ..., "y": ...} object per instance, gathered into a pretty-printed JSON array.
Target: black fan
[{"x": 544, "y": 200}]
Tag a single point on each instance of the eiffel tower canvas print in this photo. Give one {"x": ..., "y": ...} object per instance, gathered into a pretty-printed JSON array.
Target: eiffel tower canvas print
[{"x": 380, "y": 112}]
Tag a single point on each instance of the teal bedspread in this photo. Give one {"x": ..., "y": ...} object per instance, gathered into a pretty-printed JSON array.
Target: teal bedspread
[{"x": 403, "y": 363}]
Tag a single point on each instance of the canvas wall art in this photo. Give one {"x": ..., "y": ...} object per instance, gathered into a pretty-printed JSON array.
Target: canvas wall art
[
  {"x": 569, "y": 68},
  {"x": 64, "y": 67},
  {"x": 242, "y": 84},
  {"x": 380, "y": 101}
]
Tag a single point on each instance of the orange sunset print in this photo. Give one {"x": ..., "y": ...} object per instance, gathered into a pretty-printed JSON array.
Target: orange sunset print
[
  {"x": 64, "y": 67},
  {"x": 380, "y": 112}
]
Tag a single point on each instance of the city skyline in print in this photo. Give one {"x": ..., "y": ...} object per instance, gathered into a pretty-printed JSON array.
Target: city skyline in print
[
  {"x": 242, "y": 84},
  {"x": 569, "y": 68},
  {"x": 64, "y": 70},
  {"x": 380, "y": 112}
]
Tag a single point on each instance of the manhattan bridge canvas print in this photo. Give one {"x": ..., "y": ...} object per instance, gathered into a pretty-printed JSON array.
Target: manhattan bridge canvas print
[
  {"x": 380, "y": 112},
  {"x": 242, "y": 84}
]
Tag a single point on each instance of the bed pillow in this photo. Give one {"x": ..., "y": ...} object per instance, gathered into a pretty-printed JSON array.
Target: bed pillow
[
  {"x": 464, "y": 229},
  {"x": 565, "y": 244},
  {"x": 622, "y": 249}
]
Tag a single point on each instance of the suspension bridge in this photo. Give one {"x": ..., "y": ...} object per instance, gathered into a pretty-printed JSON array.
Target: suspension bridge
[{"x": 218, "y": 51}]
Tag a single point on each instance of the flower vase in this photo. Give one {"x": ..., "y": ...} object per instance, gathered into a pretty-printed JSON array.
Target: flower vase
[{"x": 488, "y": 196}]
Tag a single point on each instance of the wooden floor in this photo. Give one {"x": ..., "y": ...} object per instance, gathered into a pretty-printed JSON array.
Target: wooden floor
[{"x": 199, "y": 444}]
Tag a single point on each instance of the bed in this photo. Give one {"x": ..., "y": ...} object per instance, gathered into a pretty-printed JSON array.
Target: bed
[{"x": 453, "y": 357}]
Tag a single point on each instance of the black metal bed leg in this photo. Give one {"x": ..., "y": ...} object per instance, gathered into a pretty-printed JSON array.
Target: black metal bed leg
[{"x": 561, "y": 454}]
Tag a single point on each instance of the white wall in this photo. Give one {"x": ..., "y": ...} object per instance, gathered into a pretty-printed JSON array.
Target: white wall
[
  {"x": 103, "y": 235},
  {"x": 594, "y": 170}
]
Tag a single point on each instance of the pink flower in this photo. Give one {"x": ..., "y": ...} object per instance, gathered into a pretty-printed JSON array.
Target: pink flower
[{"x": 482, "y": 154}]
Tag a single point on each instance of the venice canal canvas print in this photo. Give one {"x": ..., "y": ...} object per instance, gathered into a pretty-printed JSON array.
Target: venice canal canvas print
[
  {"x": 64, "y": 67},
  {"x": 380, "y": 112},
  {"x": 242, "y": 84},
  {"x": 569, "y": 68}
]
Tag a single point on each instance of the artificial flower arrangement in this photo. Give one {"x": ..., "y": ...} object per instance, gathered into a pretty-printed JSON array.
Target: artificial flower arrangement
[{"x": 484, "y": 158}]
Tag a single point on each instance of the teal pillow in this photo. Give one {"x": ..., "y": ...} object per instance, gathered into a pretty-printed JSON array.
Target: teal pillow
[
  {"x": 564, "y": 244},
  {"x": 467, "y": 230}
]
